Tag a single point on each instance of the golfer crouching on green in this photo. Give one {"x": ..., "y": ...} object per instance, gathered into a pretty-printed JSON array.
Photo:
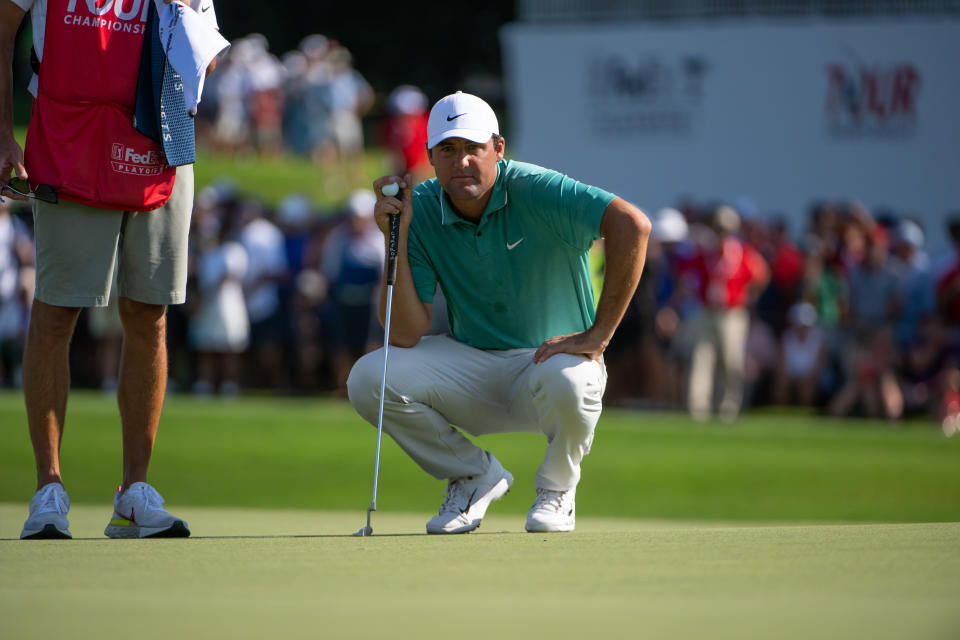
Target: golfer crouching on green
[{"x": 508, "y": 244}]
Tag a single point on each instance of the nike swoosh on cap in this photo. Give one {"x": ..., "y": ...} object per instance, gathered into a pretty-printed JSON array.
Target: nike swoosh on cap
[{"x": 452, "y": 118}]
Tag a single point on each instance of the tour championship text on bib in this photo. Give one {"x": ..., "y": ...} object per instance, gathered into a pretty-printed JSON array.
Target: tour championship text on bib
[{"x": 81, "y": 138}]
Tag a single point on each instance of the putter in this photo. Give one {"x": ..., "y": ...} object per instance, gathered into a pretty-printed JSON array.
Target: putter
[{"x": 391, "y": 279}]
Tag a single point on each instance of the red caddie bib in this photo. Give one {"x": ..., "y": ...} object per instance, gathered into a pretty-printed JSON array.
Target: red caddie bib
[{"x": 81, "y": 139}]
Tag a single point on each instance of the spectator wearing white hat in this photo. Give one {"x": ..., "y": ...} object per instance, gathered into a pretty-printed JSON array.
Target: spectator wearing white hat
[
  {"x": 267, "y": 270},
  {"x": 917, "y": 283},
  {"x": 352, "y": 261},
  {"x": 803, "y": 358}
]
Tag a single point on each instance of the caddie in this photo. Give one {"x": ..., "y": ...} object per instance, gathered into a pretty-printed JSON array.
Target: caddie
[{"x": 105, "y": 197}]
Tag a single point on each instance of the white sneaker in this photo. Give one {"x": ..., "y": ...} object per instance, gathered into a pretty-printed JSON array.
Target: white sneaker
[
  {"x": 468, "y": 498},
  {"x": 48, "y": 514},
  {"x": 553, "y": 511},
  {"x": 139, "y": 513}
]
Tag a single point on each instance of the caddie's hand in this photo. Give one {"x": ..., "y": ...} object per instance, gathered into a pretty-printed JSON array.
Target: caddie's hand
[
  {"x": 11, "y": 161},
  {"x": 582, "y": 344},
  {"x": 401, "y": 203}
]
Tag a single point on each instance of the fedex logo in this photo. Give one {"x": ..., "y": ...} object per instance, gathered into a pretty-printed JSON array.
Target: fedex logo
[
  {"x": 150, "y": 157},
  {"x": 124, "y": 159}
]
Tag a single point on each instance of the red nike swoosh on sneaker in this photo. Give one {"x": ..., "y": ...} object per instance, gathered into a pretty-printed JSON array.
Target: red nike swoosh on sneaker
[{"x": 132, "y": 517}]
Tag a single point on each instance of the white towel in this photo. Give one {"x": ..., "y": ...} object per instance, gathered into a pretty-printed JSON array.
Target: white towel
[{"x": 191, "y": 43}]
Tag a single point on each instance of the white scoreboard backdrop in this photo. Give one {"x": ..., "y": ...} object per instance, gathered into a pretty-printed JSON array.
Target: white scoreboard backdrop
[{"x": 781, "y": 112}]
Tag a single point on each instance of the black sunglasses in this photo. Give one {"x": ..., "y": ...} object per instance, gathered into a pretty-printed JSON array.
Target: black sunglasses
[{"x": 21, "y": 187}]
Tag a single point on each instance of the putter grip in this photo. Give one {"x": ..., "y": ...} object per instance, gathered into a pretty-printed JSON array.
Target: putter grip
[{"x": 392, "y": 252}]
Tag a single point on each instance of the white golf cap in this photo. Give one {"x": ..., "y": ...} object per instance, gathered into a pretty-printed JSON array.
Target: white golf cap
[{"x": 461, "y": 115}]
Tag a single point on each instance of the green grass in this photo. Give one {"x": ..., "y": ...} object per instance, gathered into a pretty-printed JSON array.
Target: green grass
[
  {"x": 619, "y": 579},
  {"x": 267, "y": 452},
  {"x": 684, "y": 531},
  {"x": 272, "y": 178}
]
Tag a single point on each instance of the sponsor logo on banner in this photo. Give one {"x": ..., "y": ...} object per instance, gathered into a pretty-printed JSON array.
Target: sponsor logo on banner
[
  {"x": 130, "y": 161},
  {"x": 871, "y": 99},
  {"x": 645, "y": 94},
  {"x": 122, "y": 16}
]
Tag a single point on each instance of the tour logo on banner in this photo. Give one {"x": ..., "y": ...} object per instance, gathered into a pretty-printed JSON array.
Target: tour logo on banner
[
  {"x": 646, "y": 94},
  {"x": 871, "y": 99}
]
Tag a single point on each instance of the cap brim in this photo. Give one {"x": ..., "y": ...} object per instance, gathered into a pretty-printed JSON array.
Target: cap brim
[{"x": 473, "y": 135}]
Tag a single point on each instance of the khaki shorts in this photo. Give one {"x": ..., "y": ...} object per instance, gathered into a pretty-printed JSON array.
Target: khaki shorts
[{"x": 78, "y": 248}]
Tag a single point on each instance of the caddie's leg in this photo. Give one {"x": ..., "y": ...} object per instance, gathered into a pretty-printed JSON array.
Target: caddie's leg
[
  {"x": 76, "y": 250},
  {"x": 151, "y": 274},
  {"x": 141, "y": 384},
  {"x": 46, "y": 382},
  {"x": 564, "y": 395},
  {"x": 435, "y": 384}
]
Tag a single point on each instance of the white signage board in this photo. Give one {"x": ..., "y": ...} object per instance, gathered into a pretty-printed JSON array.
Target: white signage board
[{"x": 784, "y": 113}]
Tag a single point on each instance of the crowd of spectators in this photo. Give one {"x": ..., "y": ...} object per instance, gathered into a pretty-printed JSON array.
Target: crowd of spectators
[
  {"x": 853, "y": 317},
  {"x": 311, "y": 102},
  {"x": 849, "y": 316}
]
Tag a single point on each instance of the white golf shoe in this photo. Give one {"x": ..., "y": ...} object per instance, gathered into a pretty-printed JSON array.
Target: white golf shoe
[
  {"x": 468, "y": 498},
  {"x": 139, "y": 513},
  {"x": 48, "y": 514},
  {"x": 553, "y": 511}
]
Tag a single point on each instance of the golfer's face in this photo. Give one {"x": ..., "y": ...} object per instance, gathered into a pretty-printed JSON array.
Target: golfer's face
[{"x": 466, "y": 170}]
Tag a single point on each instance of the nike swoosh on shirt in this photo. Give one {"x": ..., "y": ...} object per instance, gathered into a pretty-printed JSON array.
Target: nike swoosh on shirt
[
  {"x": 452, "y": 118},
  {"x": 511, "y": 246}
]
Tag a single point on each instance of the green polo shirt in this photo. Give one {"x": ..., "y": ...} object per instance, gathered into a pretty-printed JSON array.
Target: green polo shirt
[{"x": 519, "y": 276}]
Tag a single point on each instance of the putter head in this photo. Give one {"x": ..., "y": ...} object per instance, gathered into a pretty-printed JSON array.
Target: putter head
[{"x": 367, "y": 530}]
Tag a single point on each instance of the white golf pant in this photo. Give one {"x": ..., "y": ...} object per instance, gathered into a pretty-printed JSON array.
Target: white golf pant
[{"x": 441, "y": 382}]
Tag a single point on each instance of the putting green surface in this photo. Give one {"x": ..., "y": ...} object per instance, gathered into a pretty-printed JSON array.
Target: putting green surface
[
  {"x": 681, "y": 532},
  {"x": 299, "y": 574}
]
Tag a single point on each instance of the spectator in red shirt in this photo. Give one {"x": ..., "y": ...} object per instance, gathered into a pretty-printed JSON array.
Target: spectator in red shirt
[
  {"x": 404, "y": 132},
  {"x": 731, "y": 274},
  {"x": 948, "y": 284}
]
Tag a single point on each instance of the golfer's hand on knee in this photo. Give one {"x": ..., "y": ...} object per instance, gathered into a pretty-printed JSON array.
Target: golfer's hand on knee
[
  {"x": 583, "y": 344},
  {"x": 387, "y": 206}
]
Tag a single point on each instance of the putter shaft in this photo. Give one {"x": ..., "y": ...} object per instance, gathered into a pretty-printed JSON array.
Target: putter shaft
[{"x": 391, "y": 280}]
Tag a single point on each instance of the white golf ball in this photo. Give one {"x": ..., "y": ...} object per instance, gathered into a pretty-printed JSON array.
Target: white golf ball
[{"x": 391, "y": 189}]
